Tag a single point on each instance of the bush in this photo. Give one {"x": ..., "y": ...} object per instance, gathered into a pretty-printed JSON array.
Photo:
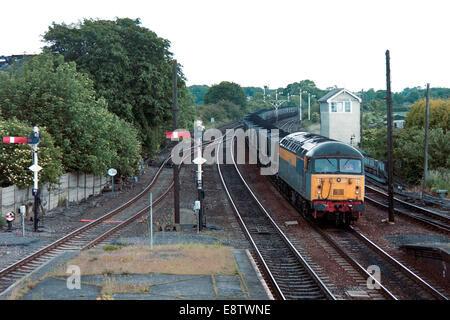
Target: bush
[
  {"x": 439, "y": 179},
  {"x": 2, "y": 222}
]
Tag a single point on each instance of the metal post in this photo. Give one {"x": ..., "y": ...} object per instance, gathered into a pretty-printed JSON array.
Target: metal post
[
  {"x": 22, "y": 212},
  {"x": 300, "y": 111},
  {"x": 389, "y": 129},
  {"x": 361, "y": 121},
  {"x": 198, "y": 129},
  {"x": 151, "y": 221},
  {"x": 276, "y": 106},
  {"x": 112, "y": 186},
  {"x": 36, "y": 181},
  {"x": 176, "y": 179},
  {"x": 309, "y": 105},
  {"x": 425, "y": 165}
]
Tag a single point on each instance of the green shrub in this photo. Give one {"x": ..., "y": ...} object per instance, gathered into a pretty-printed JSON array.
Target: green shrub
[
  {"x": 111, "y": 247},
  {"x": 439, "y": 179},
  {"x": 2, "y": 222}
]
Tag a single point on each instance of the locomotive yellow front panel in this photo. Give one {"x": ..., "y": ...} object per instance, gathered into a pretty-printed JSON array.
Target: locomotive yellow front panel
[{"x": 337, "y": 187}]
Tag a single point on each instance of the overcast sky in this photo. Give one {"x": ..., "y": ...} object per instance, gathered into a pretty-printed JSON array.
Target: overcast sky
[{"x": 274, "y": 43}]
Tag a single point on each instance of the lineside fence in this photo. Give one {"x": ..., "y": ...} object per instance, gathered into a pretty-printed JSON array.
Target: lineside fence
[{"x": 72, "y": 187}]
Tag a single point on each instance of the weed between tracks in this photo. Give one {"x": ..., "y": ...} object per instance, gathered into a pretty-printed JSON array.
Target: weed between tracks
[{"x": 186, "y": 258}]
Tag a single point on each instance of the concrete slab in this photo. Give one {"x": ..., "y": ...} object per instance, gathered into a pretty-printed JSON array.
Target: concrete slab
[
  {"x": 357, "y": 294},
  {"x": 56, "y": 289},
  {"x": 245, "y": 285}
]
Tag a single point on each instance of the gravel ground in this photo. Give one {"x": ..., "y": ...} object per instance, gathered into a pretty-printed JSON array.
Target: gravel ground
[
  {"x": 60, "y": 221},
  {"x": 219, "y": 217}
]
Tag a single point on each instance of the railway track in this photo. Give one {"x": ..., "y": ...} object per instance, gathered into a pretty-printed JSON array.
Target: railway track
[
  {"x": 79, "y": 239},
  {"x": 290, "y": 125},
  {"x": 423, "y": 215},
  {"x": 288, "y": 273},
  {"x": 86, "y": 236},
  {"x": 399, "y": 280}
]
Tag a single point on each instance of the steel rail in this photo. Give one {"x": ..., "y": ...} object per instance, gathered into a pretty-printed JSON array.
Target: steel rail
[
  {"x": 438, "y": 224},
  {"x": 426, "y": 211},
  {"x": 398, "y": 264},
  {"x": 60, "y": 242},
  {"x": 308, "y": 268},
  {"x": 72, "y": 234}
]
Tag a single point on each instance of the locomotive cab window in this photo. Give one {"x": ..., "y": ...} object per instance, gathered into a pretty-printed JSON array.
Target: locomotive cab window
[
  {"x": 350, "y": 165},
  {"x": 326, "y": 165}
]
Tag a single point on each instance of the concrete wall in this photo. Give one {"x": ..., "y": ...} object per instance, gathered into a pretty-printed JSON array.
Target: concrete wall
[{"x": 72, "y": 186}]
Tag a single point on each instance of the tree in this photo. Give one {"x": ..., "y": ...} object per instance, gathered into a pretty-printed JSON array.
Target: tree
[
  {"x": 131, "y": 68},
  {"x": 47, "y": 92},
  {"x": 228, "y": 91},
  {"x": 408, "y": 150},
  {"x": 409, "y": 146},
  {"x": 438, "y": 116},
  {"x": 198, "y": 91}
]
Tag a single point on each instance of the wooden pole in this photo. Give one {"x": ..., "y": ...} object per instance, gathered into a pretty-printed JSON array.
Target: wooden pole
[
  {"x": 176, "y": 196},
  {"x": 425, "y": 165},
  {"x": 389, "y": 130}
]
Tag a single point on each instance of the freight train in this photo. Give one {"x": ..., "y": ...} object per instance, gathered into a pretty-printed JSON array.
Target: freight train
[{"x": 324, "y": 178}]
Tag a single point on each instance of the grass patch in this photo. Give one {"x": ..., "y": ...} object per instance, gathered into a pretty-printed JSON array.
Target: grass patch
[
  {"x": 439, "y": 179},
  {"x": 111, "y": 247},
  {"x": 185, "y": 258}
]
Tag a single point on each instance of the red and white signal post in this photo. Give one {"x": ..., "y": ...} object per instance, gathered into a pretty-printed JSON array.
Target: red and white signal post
[{"x": 33, "y": 141}]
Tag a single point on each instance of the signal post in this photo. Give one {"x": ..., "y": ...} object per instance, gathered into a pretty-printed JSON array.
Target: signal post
[{"x": 32, "y": 140}]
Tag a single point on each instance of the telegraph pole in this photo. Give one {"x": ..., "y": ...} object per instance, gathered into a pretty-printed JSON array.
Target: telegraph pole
[
  {"x": 389, "y": 130},
  {"x": 425, "y": 165},
  {"x": 300, "y": 111},
  {"x": 176, "y": 179},
  {"x": 361, "y": 121}
]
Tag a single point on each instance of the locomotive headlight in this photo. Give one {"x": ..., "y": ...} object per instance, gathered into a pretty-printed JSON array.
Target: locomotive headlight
[
  {"x": 338, "y": 179},
  {"x": 357, "y": 189}
]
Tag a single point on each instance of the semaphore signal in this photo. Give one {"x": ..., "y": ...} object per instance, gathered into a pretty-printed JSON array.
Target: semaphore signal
[
  {"x": 15, "y": 139},
  {"x": 33, "y": 140}
]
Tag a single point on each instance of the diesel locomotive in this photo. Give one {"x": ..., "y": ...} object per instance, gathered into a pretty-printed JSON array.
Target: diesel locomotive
[{"x": 324, "y": 178}]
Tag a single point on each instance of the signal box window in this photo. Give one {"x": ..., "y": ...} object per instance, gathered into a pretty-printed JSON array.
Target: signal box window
[{"x": 348, "y": 106}]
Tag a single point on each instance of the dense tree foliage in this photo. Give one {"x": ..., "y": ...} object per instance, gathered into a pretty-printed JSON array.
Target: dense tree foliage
[
  {"x": 409, "y": 150},
  {"x": 251, "y": 91},
  {"x": 198, "y": 91},
  {"x": 48, "y": 92},
  {"x": 439, "y": 114},
  {"x": 305, "y": 85},
  {"x": 228, "y": 91},
  {"x": 16, "y": 158},
  {"x": 131, "y": 68}
]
